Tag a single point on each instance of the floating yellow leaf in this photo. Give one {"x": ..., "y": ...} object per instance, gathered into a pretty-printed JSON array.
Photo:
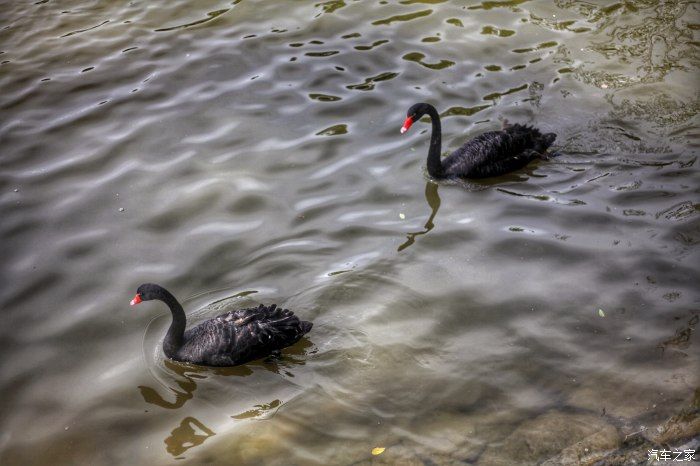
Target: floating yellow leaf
[
  {"x": 402, "y": 216},
  {"x": 601, "y": 313},
  {"x": 378, "y": 451}
]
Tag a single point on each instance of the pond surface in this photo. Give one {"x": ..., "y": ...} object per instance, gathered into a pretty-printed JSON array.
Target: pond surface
[{"x": 249, "y": 152}]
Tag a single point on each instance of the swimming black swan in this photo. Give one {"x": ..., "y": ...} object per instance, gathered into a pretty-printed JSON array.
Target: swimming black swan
[
  {"x": 489, "y": 154},
  {"x": 230, "y": 339}
]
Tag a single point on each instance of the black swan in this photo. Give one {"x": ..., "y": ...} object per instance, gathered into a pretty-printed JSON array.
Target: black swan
[
  {"x": 230, "y": 339},
  {"x": 489, "y": 154}
]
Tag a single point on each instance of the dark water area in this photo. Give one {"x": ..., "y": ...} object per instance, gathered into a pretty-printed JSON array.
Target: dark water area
[{"x": 249, "y": 152}]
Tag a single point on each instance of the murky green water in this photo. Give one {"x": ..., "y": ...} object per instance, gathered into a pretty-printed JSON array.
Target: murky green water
[{"x": 250, "y": 152}]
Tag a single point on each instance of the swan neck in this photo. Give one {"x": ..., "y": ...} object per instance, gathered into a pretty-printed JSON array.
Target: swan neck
[
  {"x": 176, "y": 333},
  {"x": 435, "y": 168}
]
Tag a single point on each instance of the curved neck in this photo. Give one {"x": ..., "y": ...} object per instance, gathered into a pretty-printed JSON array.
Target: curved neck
[
  {"x": 434, "y": 163},
  {"x": 176, "y": 333}
]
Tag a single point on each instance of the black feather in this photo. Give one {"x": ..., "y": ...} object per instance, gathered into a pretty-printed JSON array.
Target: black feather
[
  {"x": 490, "y": 154},
  {"x": 230, "y": 339}
]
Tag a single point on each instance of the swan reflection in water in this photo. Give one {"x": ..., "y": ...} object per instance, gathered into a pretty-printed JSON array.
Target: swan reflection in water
[
  {"x": 191, "y": 432},
  {"x": 187, "y": 374},
  {"x": 433, "y": 199}
]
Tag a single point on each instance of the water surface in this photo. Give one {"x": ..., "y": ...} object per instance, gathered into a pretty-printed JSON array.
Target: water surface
[{"x": 249, "y": 152}]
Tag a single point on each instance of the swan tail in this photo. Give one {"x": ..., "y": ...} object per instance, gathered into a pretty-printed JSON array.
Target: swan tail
[
  {"x": 287, "y": 323},
  {"x": 539, "y": 142},
  {"x": 305, "y": 326},
  {"x": 545, "y": 141}
]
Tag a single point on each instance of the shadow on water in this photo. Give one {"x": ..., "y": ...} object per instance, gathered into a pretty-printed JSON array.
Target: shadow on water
[{"x": 433, "y": 199}]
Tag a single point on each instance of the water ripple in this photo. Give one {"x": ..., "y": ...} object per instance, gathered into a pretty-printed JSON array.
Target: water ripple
[{"x": 242, "y": 153}]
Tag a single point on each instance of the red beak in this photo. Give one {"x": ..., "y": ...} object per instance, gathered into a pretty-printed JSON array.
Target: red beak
[
  {"x": 406, "y": 124},
  {"x": 136, "y": 300}
]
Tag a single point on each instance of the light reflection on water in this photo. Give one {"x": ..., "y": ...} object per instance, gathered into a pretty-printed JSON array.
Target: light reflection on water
[{"x": 248, "y": 152}]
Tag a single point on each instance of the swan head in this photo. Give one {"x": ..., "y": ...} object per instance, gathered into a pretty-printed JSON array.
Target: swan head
[
  {"x": 413, "y": 114},
  {"x": 147, "y": 292}
]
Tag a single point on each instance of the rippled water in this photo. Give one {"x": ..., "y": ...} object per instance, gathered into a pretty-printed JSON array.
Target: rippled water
[{"x": 249, "y": 152}]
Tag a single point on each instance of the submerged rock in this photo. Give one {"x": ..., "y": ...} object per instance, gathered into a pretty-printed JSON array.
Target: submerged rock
[{"x": 555, "y": 438}]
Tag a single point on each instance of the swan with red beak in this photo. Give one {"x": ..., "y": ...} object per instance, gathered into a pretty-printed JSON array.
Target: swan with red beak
[
  {"x": 230, "y": 339},
  {"x": 489, "y": 154}
]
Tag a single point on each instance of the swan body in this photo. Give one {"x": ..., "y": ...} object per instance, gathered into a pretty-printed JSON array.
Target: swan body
[
  {"x": 229, "y": 339},
  {"x": 490, "y": 154}
]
